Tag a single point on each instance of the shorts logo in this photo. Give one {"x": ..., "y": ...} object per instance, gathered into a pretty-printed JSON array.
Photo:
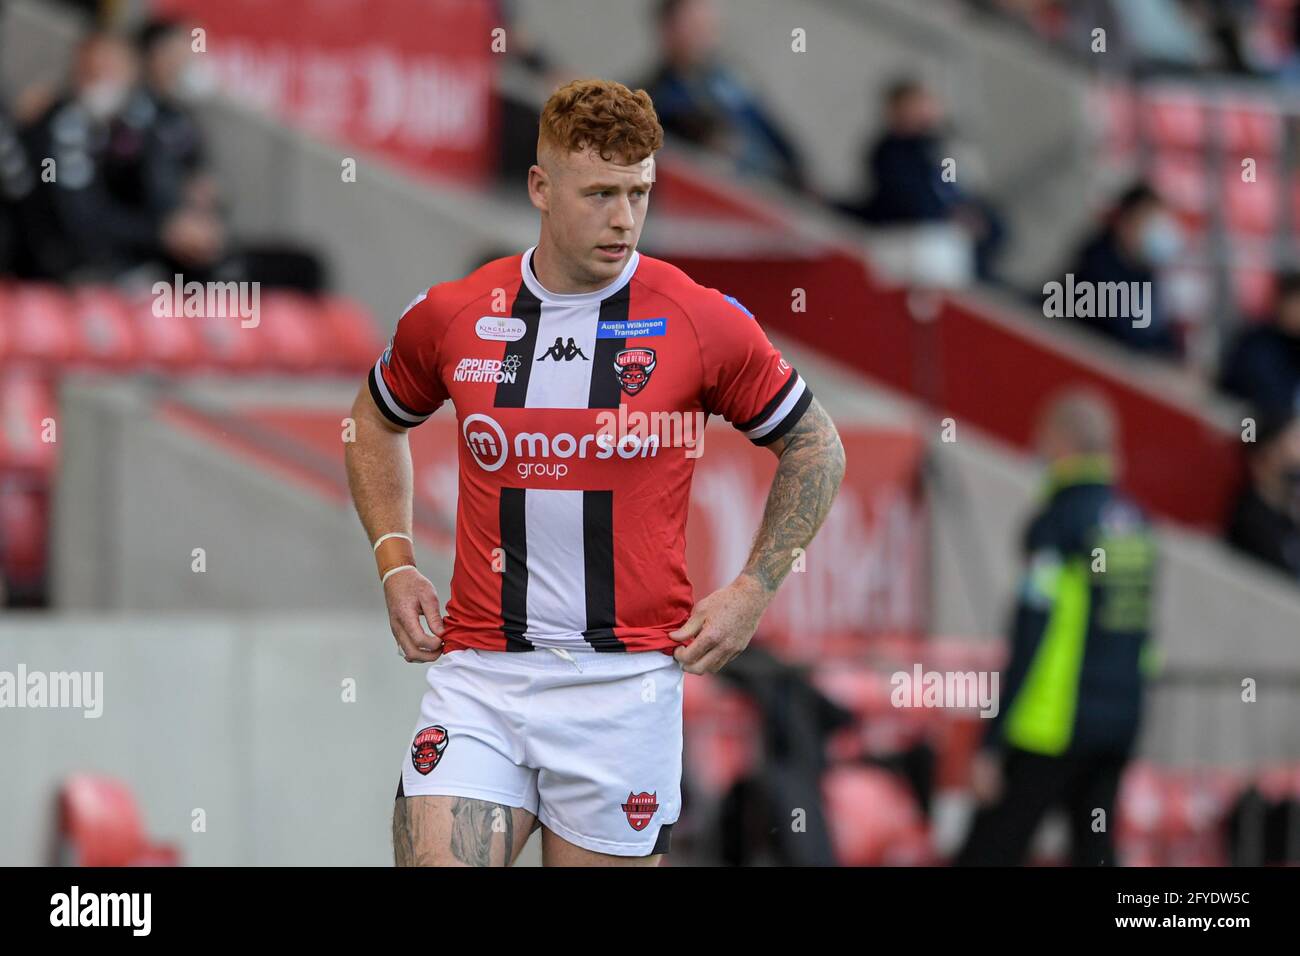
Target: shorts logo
[
  {"x": 633, "y": 367},
  {"x": 428, "y": 747},
  {"x": 640, "y": 807},
  {"x": 388, "y": 354}
]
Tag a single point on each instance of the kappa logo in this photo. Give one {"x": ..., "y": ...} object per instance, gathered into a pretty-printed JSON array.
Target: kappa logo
[
  {"x": 633, "y": 367},
  {"x": 640, "y": 807},
  {"x": 561, "y": 352},
  {"x": 427, "y": 749}
]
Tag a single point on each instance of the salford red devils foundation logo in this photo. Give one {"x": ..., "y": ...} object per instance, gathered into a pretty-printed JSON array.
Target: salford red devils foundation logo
[
  {"x": 428, "y": 747},
  {"x": 634, "y": 367},
  {"x": 640, "y": 807}
]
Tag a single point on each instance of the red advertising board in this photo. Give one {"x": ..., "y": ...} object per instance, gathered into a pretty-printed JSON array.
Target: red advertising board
[{"x": 409, "y": 79}]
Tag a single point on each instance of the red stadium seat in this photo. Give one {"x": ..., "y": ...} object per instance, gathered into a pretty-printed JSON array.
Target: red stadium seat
[
  {"x": 1181, "y": 179},
  {"x": 354, "y": 341},
  {"x": 99, "y": 825},
  {"x": 102, "y": 325},
  {"x": 874, "y": 818},
  {"x": 38, "y": 323},
  {"x": 293, "y": 335},
  {"x": 27, "y": 401},
  {"x": 166, "y": 342},
  {"x": 24, "y": 520},
  {"x": 1175, "y": 118},
  {"x": 1251, "y": 207},
  {"x": 1250, "y": 128}
]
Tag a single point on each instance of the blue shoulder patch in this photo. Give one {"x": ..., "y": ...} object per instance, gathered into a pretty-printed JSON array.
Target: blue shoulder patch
[{"x": 736, "y": 302}]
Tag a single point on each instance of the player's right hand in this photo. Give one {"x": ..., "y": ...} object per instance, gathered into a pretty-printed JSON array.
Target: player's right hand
[{"x": 409, "y": 595}]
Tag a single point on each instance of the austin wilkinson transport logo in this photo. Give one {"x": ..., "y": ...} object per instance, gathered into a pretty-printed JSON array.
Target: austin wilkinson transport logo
[{"x": 640, "y": 807}]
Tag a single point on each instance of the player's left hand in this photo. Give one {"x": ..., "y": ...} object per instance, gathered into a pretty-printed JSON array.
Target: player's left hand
[{"x": 720, "y": 626}]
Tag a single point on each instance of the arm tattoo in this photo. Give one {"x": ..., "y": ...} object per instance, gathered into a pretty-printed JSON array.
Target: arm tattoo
[
  {"x": 806, "y": 480},
  {"x": 471, "y": 831}
]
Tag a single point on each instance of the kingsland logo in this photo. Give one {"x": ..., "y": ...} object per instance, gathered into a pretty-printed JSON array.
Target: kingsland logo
[{"x": 536, "y": 451}]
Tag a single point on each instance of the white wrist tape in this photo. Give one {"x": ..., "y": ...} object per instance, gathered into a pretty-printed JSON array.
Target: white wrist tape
[
  {"x": 392, "y": 534},
  {"x": 391, "y": 571}
]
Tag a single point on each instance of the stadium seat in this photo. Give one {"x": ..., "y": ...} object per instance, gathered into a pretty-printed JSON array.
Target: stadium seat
[
  {"x": 99, "y": 825},
  {"x": 874, "y": 818},
  {"x": 105, "y": 335}
]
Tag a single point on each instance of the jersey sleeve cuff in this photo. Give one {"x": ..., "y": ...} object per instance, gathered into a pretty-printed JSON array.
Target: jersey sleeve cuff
[
  {"x": 780, "y": 414},
  {"x": 388, "y": 403}
]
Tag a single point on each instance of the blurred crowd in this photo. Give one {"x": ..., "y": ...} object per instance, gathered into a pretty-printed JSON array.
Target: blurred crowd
[
  {"x": 106, "y": 177},
  {"x": 1241, "y": 37}
]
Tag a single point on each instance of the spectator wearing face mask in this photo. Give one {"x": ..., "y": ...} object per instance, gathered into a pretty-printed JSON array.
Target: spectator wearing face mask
[
  {"x": 93, "y": 215},
  {"x": 1262, "y": 364},
  {"x": 1139, "y": 236},
  {"x": 1266, "y": 520}
]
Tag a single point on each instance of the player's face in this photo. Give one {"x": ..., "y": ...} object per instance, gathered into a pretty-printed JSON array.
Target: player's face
[{"x": 593, "y": 210}]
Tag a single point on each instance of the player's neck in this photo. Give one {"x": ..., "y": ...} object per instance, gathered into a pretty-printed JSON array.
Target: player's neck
[{"x": 555, "y": 280}]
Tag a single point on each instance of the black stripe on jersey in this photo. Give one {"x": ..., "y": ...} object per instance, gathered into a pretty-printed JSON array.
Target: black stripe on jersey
[
  {"x": 529, "y": 308},
  {"x": 378, "y": 397},
  {"x": 605, "y": 390},
  {"x": 772, "y": 405},
  {"x": 791, "y": 417},
  {"x": 514, "y": 576},
  {"x": 598, "y": 568}
]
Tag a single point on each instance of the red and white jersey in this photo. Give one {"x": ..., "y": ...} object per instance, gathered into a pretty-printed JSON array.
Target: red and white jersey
[{"x": 571, "y": 519}]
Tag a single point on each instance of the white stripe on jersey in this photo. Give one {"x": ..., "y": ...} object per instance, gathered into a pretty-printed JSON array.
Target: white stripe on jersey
[
  {"x": 561, "y": 383},
  {"x": 557, "y": 588},
  {"x": 779, "y": 413}
]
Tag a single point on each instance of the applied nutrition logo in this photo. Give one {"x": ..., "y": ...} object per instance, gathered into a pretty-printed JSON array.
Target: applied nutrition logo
[{"x": 55, "y": 690}]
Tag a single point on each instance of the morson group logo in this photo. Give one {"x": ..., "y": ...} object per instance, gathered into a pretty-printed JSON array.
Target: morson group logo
[
  {"x": 640, "y": 807},
  {"x": 543, "y": 454}
]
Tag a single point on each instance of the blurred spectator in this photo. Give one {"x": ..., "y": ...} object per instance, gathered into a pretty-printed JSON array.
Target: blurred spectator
[
  {"x": 1139, "y": 236},
  {"x": 1262, "y": 364},
  {"x": 700, "y": 99},
  {"x": 103, "y": 213},
  {"x": 1266, "y": 519},
  {"x": 908, "y": 180},
  {"x": 16, "y": 183},
  {"x": 177, "y": 172},
  {"x": 1071, "y": 693}
]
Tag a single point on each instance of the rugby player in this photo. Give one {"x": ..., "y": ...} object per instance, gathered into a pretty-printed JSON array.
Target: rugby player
[{"x": 555, "y": 677}]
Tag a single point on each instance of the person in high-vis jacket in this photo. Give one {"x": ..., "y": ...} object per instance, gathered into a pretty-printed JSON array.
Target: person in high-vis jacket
[{"x": 1070, "y": 697}]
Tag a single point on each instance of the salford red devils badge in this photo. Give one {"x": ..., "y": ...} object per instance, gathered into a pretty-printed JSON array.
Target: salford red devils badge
[
  {"x": 428, "y": 747},
  {"x": 640, "y": 807},
  {"x": 634, "y": 367}
]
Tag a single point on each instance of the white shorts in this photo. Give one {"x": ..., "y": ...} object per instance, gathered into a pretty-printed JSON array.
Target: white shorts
[{"x": 590, "y": 743}]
